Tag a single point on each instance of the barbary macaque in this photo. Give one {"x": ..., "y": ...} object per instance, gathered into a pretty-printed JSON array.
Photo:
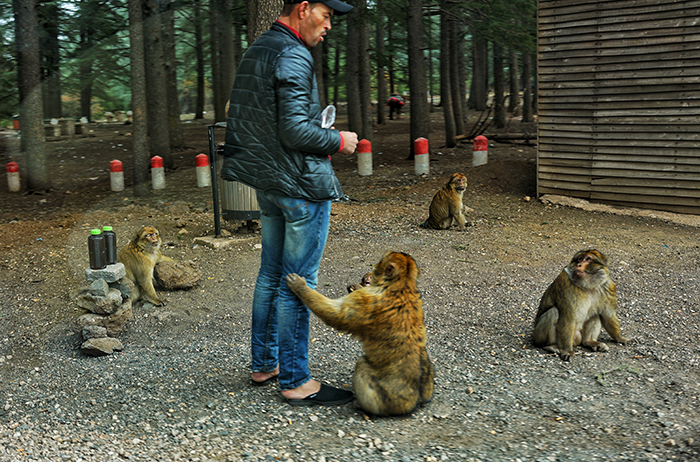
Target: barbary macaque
[
  {"x": 364, "y": 282},
  {"x": 139, "y": 258},
  {"x": 447, "y": 205},
  {"x": 394, "y": 374},
  {"x": 575, "y": 306}
]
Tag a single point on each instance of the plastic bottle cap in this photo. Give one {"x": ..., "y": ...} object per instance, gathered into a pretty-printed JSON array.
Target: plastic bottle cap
[
  {"x": 106, "y": 228},
  {"x": 12, "y": 167},
  {"x": 156, "y": 162},
  {"x": 95, "y": 231}
]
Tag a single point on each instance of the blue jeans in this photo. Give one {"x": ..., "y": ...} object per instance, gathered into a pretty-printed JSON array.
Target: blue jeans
[{"x": 294, "y": 233}]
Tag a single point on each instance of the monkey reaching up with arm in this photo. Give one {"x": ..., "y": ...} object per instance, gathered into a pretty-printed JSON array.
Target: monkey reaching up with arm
[
  {"x": 575, "y": 306},
  {"x": 139, "y": 258},
  {"x": 395, "y": 374},
  {"x": 447, "y": 205}
]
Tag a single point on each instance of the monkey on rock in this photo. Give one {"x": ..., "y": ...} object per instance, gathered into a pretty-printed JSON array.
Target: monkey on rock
[{"x": 580, "y": 301}]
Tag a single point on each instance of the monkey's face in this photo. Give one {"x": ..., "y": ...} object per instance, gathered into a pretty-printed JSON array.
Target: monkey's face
[
  {"x": 366, "y": 279},
  {"x": 149, "y": 236},
  {"x": 458, "y": 182},
  {"x": 588, "y": 268}
]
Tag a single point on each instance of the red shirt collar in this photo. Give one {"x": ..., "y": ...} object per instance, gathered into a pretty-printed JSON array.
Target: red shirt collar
[{"x": 293, "y": 30}]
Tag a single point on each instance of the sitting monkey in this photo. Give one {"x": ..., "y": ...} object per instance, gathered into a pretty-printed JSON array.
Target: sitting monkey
[
  {"x": 395, "y": 374},
  {"x": 574, "y": 308},
  {"x": 139, "y": 258},
  {"x": 447, "y": 205}
]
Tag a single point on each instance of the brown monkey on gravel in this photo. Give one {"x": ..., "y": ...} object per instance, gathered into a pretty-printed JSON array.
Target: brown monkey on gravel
[
  {"x": 395, "y": 374},
  {"x": 139, "y": 258},
  {"x": 447, "y": 205},
  {"x": 364, "y": 282},
  {"x": 575, "y": 306}
]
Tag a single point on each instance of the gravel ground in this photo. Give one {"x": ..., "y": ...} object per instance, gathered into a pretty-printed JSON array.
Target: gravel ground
[{"x": 179, "y": 391}]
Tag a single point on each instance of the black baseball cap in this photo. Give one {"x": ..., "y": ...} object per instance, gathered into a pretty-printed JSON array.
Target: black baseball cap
[{"x": 339, "y": 7}]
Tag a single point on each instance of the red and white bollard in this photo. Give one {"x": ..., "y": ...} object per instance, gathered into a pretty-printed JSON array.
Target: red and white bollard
[
  {"x": 203, "y": 170},
  {"x": 116, "y": 175},
  {"x": 421, "y": 156},
  {"x": 481, "y": 151},
  {"x": 364, "y": 158},
  {"x": 13, "y": 176},
  {"x": 157, "y": 172}
]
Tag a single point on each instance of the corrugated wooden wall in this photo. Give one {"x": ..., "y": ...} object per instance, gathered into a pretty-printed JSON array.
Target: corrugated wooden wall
[{"x": 619, "y": 102}]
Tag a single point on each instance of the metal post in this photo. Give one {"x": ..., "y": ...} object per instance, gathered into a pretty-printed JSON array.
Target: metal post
[{"x": 215, "y": 187}]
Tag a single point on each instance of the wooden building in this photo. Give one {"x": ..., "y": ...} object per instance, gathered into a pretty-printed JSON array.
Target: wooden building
[{"x": 619, "y": 102}]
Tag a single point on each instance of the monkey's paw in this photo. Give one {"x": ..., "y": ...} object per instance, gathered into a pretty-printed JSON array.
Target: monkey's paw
[{"x": 295, "y": 282}]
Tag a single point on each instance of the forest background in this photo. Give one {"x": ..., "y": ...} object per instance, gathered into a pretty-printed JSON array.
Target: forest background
[{"x": 165, "y": 60}]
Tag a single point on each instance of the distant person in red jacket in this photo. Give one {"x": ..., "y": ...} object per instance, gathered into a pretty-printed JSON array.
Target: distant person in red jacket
[{"x": 395, "y": 103}]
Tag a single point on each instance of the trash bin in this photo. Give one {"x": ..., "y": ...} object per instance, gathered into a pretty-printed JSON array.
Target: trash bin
[{"x": 238, "y": 201}]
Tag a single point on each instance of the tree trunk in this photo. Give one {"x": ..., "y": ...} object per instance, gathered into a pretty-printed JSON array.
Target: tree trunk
[
  {"x": 382, "y": 95},
  {"x": 31, "y": 116},
  {"x": 478, "y": 96},
  {"x": 261, "y": 15},
  {"x": 514, "y": 101},
  {"x": 218, "y": 100},
  {"x": 463, "y": 78},
  {"x": 390, "y": 59},
  {"x": 177, "y": 142},
  {"x": 365, "y": 71},
  {"x": 454, "y": 37},
  {"x": 417, "y": 78},
  {"x": 431, "y": 86},
  {"x": 317, "y": 54},
  {"x": 527, "y": 95},
  {"x": 499, "y": 86},
  {"x": 199, "y": 53},
  {"x": 157, "y": 96},
  {"x": 85, "y": 67},
  {"x": 49, "y": 17},
  {"x": 326, "y": 74},
  {"x": 225, "y": 55},
  {"x": 352, "y": 74},
  {"x": 138, "y": 99},
  {"x": 336, "y": 73},
  {"x": 445, "y": 83}
]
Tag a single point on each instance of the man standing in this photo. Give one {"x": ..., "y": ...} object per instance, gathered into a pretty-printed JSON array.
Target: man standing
[{"x": 275, "y": 144}]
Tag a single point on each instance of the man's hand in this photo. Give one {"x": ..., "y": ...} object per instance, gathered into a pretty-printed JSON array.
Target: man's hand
[{"x": 349, "y": 142}]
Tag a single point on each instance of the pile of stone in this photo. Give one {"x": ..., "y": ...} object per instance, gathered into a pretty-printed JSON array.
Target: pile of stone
[{"x": 108, "y": 301}]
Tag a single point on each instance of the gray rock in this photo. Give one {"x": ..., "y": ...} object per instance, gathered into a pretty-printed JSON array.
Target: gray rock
[
  {"x": 125, "y": 286},
  {"x": 112, "y": 273},
  {"x": 101, "y": 305},
  {"x": 90, "y": 332},
  {"x": 91, "y": 319},
  {"x": 99, "y": 288},
  {"x": 101, "y": 346},
  {"x": 115, "y": 322}
]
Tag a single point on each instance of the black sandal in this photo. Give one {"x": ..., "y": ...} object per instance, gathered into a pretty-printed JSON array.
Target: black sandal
[{"x": 326, "y": 396}]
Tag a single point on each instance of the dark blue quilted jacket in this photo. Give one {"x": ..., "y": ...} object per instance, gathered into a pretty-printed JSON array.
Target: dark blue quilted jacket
[{"x": 274, "y": 139}]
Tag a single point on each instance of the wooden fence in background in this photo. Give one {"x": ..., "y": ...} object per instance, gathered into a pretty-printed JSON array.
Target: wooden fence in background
[{"x": 619, "y": 102}]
